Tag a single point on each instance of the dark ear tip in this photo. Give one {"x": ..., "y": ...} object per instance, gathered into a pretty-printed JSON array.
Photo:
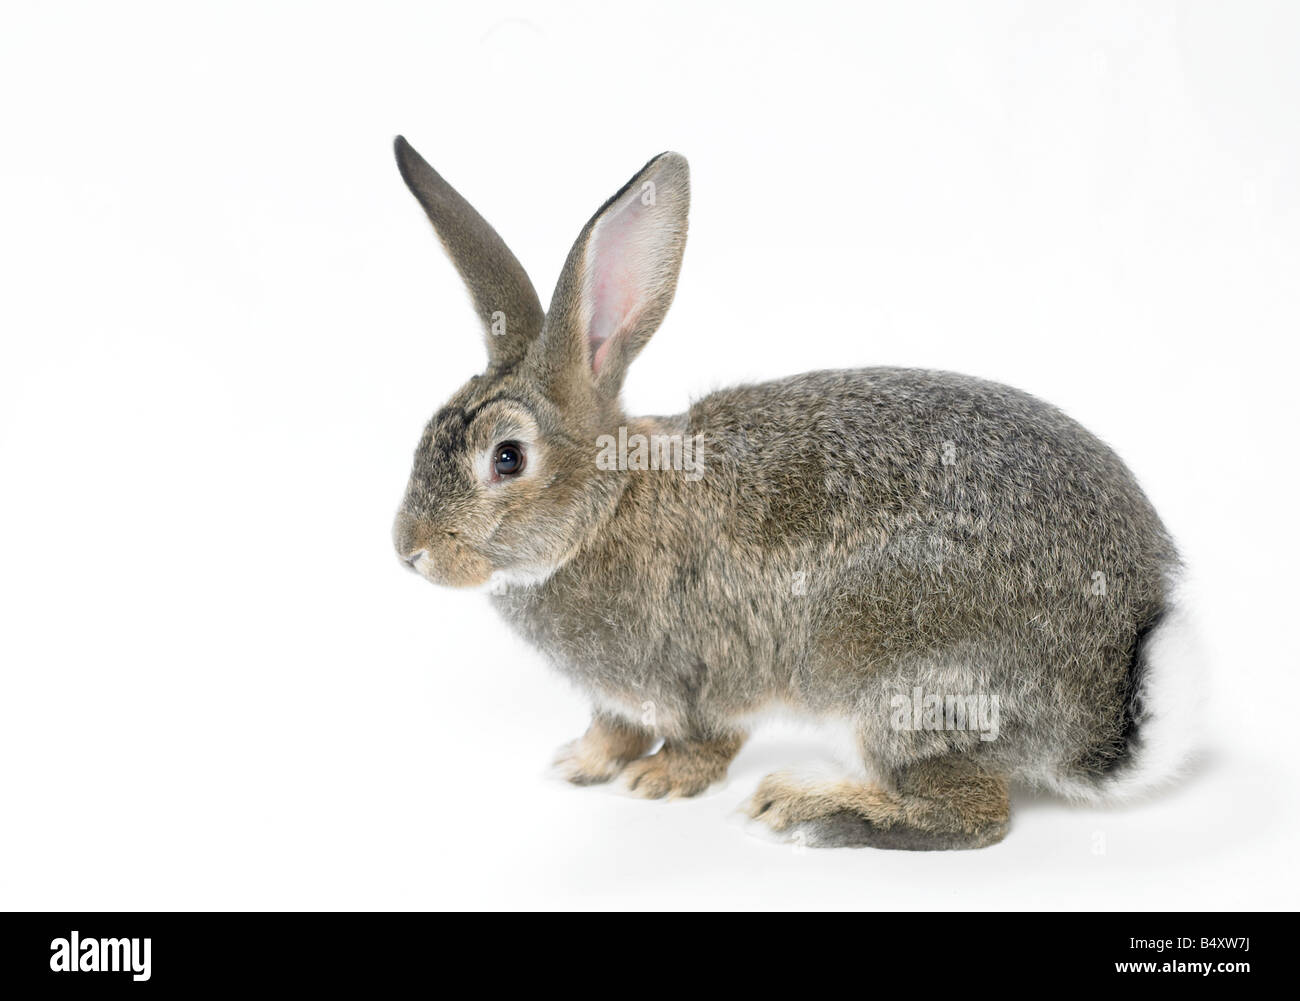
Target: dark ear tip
[{"x": 409, "y": 163}]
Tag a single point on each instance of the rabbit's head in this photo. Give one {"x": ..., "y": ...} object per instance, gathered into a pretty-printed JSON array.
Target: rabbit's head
[{"x": 505, "y": 479}]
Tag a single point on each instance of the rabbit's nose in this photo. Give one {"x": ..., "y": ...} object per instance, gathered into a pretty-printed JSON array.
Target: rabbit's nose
[{"x": 408, "y": 539}]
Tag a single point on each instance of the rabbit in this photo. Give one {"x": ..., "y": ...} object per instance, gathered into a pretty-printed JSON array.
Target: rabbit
[{"x": 959, "y": 574}]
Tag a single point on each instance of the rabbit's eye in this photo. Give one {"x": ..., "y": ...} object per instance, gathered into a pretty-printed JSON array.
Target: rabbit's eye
[{"x": 508, "y": 458}]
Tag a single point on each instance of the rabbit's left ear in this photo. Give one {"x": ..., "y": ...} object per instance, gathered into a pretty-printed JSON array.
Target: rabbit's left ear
[
  {"x": 503, "y": 296},
  {"x": 620, "y": 276}
]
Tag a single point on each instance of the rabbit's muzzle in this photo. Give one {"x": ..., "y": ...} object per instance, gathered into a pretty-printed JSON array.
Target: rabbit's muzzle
[{"x": 436, "y": 554}]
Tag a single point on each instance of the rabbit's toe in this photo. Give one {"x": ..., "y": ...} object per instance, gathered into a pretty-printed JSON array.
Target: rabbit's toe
[
  {"x": 602, "y": 752},
  {"x": 783, "y": 801},
  {"x": 578, "y": 763},
  {"x": 660, "y": 776},
  {"x": 680, "y": 769}
]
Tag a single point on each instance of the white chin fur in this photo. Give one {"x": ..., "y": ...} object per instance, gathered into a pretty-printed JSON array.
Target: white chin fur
[{"x": 502, "y": 581}]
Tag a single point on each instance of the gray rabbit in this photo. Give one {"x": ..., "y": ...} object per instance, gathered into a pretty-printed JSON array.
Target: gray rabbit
[{"x": 957, "y": 572}]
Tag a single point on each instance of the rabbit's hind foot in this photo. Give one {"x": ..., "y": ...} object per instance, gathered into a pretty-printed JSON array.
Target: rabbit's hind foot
[{"x": 936, "y": 805}]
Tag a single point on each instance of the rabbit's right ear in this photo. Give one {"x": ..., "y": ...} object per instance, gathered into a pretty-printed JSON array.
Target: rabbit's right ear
[
  {"x": 503, "y": 296},
  {"x": 620, "y": 277}
]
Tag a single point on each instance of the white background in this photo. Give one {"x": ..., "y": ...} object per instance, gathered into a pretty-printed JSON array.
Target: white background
[{"x": 225, "y": 321}]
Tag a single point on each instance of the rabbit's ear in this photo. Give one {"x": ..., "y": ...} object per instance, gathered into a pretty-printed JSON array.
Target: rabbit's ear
[
  {"x": 503, "y": 296},
  {"x": 621, "y": 274}
]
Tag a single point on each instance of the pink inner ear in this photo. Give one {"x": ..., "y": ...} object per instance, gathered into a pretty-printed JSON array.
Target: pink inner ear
[
  {"x": 598, "y": 351},
  {"x": 620, "y": 267}
]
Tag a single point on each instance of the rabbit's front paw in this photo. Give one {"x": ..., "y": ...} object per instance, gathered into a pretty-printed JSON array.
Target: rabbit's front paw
[
  {"x": 682, "y": 768},
  {"x": 578, "y": 763},
  {"x": 602, "y": 752}
]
